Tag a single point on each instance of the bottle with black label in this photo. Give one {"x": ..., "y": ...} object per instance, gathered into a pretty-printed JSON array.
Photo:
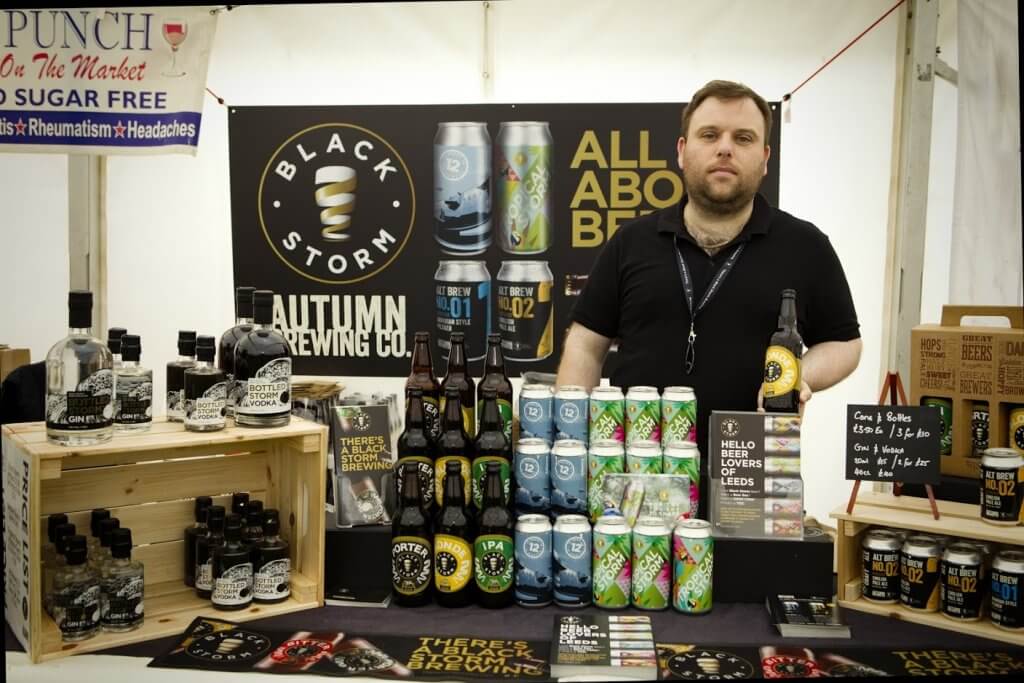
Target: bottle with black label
[
  {"x": 206, "y": 391},
  {"x": 454, "y": 444},
  {"x": 271, "y": 562},
  {"x": 493, "y": 547},
  {"x": 176, "y": 375},
  {"x": 202, "y": 504},
  {"x": 263, "y": 369},
  {"x": 206, "y": 547},
  {"x": 252, "y": 524},
  {"x": 134, "y": 407},
  {"x": 491, "y": 446},
  {"x": 416, "y": 446},
  {"x": 422, "y": 376},
  {"x": 226, "y": 351},
  {"x": 457, "y": 376},
  {"x": 412, "y": 559},
  {"x": 232, "y": 569},
  {"x": 495, "y": 378},
  {"x": 79, "y": 381},
  {"x": 453, "y": 543},
  {"x": 114, "y": 335},
  {"x": 76, "y": 594},
  {"x": 782, "y": 377},
  {"x": 121, "y": 586}
]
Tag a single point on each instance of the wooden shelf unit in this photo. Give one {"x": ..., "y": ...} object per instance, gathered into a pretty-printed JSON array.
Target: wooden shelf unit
[
  {"x": 149, "y": 481},
  {"x": 956, "y": 519}
]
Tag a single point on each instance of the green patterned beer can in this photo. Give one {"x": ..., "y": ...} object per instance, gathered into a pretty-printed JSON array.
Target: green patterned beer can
[
  {"x": 945, "y": 407},
  {"x": 684, "y": 458},
  {"x": 652, "y": 572},
  {"x": 678, "y": 415},
  {"x": 693, "y": 557},
  {"x": 643, "y": 457},
  {"x": 643, "y": 414},
  {"x": 522, "y": 162},
  {"x": 612, "y": 566},
  {"x": 607, "y": 414},
  {"x": 605, "y": 457}
]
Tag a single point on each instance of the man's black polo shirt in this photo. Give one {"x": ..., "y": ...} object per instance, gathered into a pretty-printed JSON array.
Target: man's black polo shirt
[{"x": 635, "y": 294}]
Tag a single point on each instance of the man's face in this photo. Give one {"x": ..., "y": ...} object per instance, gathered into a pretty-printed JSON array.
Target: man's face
[{"x": 724, "y": 156}]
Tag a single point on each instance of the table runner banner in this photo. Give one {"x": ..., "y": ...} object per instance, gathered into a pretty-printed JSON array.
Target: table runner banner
[
  {"x": 97, "y": 81},
  {"x": 373, "y": 222}
]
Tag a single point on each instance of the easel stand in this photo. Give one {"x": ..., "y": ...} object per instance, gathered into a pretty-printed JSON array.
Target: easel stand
[{"x": 893, "y": 385}]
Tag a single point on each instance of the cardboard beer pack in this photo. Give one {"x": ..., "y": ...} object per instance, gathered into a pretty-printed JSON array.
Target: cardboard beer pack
[{"x": 967, "y": 365}]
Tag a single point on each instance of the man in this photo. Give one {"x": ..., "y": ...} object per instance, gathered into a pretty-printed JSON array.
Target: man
[{"x": 734, "y": 254}]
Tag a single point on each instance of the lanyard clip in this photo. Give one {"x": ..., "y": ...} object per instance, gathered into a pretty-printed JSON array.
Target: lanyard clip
[{"x": 693, "y": 335}]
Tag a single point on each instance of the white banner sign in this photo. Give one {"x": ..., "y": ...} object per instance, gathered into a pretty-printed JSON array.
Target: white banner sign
[{"x": 98, "y": 81}]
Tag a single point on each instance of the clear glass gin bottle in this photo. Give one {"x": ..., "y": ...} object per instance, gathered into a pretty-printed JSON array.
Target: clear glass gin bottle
[
  {"x": 134, "y": 407},
  {"x": 79, "y": 381},
  {"x": 205, "y": 390},
  {"x": 76, "y": 595},
  {"x": 121, "y": 586}
]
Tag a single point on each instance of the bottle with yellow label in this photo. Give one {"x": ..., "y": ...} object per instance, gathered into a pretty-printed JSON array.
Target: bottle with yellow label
[
  {"x": 453, "y": 544},
  {"x": 454, "y": 444},
  {"x": 782, "y": 361}
]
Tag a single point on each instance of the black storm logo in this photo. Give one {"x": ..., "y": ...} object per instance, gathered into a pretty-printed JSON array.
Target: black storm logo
[{"x": 336, "y": 203}]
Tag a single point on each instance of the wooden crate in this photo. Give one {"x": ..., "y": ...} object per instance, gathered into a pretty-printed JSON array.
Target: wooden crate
[
  {"x": 149, "y": 481},
  {"x": 956, "y": 519}
]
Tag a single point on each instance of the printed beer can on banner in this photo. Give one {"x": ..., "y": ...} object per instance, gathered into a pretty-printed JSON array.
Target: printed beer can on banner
[
  {"x": 945, "y": 407},
  {"x": 606, "y": 456},
  {"x": 462, "y": 298},
  {"x": 523, "y": 174},
  {"x": 678, "y": 415},
  {"x": 533, "y": 484},
  {"x": 571, "y": 413},
  {"x": 1002, "y": 486},
  {"x": 683, "y": 457},
  {"x": 607, "y": 414},
  {"x": 643, "y": 457},
  {"x": 572, "y": 558},
  {"x": 1006, "y": 602},
  {"x": 919, "y": 573},
  {"x": 652, "y": 571},
  {"x": 693, "y": 561},
  {"x": 462, "y": 187},
  {"x": 526, "y": 310},
  {"x": 612, "y": 564},
  {"x": 979, "y": 428},
  {"x": 568, "y": 477},
  {"x": 643, "y": 414},
  {"x": 534, "y": 585},
  {"x": 535, "y": 420},
  {"x": 880, "y": 566},
  {"x": 960, "y": 585},
  {"x": 1017, "y": 429}
]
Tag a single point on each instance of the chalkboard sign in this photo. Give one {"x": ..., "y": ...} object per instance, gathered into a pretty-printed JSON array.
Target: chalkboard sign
[{"x": 893, "y": 443}]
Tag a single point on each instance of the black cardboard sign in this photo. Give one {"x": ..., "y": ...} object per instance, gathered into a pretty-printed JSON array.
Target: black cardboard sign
[{"x": 893, "y": 443}]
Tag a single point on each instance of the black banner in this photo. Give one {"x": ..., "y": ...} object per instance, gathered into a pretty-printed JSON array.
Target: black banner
[{"x": 347, "y": 212}]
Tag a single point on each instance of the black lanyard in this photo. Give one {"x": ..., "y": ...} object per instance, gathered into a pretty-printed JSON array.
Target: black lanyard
[{"x": 713, "y": 286}]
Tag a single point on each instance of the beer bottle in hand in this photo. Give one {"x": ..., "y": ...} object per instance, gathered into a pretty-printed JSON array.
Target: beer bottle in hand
[
  {"x": 492, "y": 550},
  {"x": 457, "y": 376},
  {"x": 422, "y": 376},
  {"x": 453, "y": 550},
  {"x": 495, "y": 378},
  {"x": 412, "y": 554},
  {"x": 415, "y": 446},
  {"x": 782, "y": 361},
  {"x": 491, "y": 447},
  {"x": 453, "y": 446}
]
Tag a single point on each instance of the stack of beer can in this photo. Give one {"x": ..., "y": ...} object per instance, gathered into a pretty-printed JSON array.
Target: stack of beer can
[
  {"x": 928, "y": 573},
  {"x": 569, "y": 441}
]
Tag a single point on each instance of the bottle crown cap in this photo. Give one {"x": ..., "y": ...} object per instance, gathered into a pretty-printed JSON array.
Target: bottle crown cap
[
  {"x": 422, "y": 336},
  {"x": 458, "y": 337}
]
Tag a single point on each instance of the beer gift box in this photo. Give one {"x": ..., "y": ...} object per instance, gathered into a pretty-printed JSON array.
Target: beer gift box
[{"x": 969, "y": 365}]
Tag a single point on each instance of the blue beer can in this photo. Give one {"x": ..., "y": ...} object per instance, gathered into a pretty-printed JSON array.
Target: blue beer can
[
  {"x": 571, "y": 551},
  {"x": 569, "y": 477},
  {"x": 535, "y": 420},
  {"x": 572, "y": 413},
  {"x": 533, "y": 483},
  {"x": 534, "y": 584}
]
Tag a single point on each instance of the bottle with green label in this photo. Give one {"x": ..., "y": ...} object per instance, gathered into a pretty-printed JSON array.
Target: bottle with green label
[
  {"x": 412, "y": 553},
  {"x": 453, "y": 543},
  {"x": 491, "y": 446},
  {"x": 415, "y": 445},
  {"x": 458, "y": 376},
  {"x": 782, "y": 379},
  {"x": 453, "y": 446},
  {"x": 493, "y": 549},
  {"x": 495, "y": 378}
]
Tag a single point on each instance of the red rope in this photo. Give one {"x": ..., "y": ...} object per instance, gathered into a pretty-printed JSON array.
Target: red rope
[
  {"x": 848, "y": 46},
  {"x": 220, "y": 100}
]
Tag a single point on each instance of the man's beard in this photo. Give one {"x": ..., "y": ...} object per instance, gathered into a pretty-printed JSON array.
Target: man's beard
[{"x": 698, "y": 188}]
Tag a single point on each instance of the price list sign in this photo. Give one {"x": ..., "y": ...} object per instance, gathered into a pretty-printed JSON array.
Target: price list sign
[{"x": 893, "y": 443}]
